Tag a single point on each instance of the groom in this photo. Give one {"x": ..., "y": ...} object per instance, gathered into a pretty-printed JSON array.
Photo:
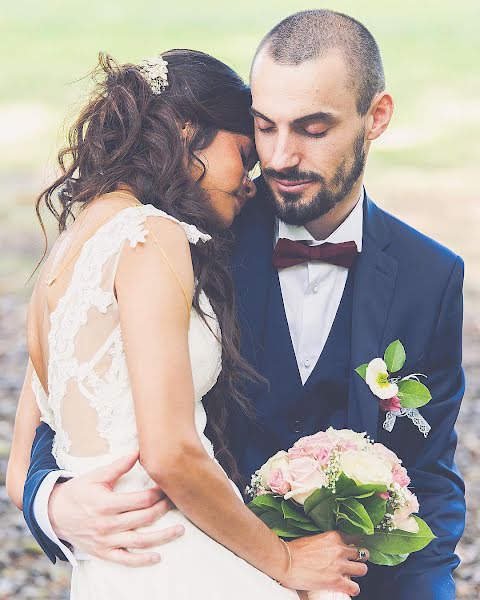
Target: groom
[{"x": 309, "y": 317}]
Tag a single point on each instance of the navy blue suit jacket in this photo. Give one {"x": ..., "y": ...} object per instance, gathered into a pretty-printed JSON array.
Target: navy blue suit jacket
[{"x": 406, "y": 287}]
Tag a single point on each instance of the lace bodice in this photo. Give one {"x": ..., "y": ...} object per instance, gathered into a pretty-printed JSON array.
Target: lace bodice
[{"x": 90, "y": 405}]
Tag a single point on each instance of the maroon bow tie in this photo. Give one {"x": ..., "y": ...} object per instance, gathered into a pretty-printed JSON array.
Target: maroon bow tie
[{"x": 288, "y": 253}]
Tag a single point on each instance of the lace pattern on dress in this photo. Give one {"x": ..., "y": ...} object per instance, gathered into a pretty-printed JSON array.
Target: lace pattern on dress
[{"x": 71, "y": 313}]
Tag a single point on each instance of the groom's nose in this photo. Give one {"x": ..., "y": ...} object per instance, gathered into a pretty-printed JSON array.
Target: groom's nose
[{"x": 284, "y": 153}]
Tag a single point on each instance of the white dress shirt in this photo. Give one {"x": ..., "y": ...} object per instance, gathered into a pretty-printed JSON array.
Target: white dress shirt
[
  {"x": 313, "y": 290},
  {"x": 311, "y": 295}
]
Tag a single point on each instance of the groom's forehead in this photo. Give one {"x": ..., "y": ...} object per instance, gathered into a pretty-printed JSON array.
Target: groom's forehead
[{"x": 291, "y": 91}]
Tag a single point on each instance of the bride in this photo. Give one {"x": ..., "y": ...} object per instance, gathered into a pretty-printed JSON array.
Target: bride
[{"x": 131, "y": 322}]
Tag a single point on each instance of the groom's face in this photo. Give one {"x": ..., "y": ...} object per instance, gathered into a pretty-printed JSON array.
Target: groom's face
[{"x": 310, "y": 138}]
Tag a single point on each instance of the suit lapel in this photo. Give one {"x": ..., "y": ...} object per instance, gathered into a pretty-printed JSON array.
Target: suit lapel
[{"x": 374, "y": 285}]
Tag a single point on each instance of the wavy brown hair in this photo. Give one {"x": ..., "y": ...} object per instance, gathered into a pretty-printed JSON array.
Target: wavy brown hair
[{"x": 128, "y": 135}]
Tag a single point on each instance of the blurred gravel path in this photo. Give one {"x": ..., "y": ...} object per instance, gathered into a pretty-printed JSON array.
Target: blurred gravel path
[{"x": 26, "y": 574}]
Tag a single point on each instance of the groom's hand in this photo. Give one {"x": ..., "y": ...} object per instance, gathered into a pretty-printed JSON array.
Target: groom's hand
[{"x": 86, "y": 512}]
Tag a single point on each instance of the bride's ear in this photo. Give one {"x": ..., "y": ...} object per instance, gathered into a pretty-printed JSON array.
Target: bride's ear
[{"x": 186, "y": 130}]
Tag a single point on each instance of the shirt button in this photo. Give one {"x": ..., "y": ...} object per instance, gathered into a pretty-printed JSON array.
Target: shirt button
[
  {"x": 306, "y": 362},
  {"x": 315, "y": 289}
]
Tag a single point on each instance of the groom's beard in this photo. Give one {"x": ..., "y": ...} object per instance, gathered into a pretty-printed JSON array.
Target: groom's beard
[{"x": 287, "y": 205}]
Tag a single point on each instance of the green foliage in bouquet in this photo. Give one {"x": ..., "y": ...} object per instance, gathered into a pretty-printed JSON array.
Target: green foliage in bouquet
[{"x": 353, "y": 509}]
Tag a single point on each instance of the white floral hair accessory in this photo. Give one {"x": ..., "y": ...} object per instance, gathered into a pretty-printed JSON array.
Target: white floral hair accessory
[{"x": 155, "y": 71}]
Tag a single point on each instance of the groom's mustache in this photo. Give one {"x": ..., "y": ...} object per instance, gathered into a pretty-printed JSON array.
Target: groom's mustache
[{"x": 292, "y": 175}]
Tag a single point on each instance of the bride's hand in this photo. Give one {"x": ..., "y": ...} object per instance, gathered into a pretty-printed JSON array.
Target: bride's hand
[
  {"x": 95, "y": 519},
  {"x": 325, "y": 562}
]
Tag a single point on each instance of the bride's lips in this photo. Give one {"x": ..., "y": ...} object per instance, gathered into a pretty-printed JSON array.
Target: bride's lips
[{"x": 287, "y": 185}]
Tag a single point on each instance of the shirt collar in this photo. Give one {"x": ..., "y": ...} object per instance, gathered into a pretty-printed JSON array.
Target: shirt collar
[{"x": 350, "y": 230}]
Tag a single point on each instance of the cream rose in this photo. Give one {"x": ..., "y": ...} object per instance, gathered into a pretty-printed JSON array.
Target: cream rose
[
  {"x": 365, "y": 467},
  {"x": 279, "y": 461}
]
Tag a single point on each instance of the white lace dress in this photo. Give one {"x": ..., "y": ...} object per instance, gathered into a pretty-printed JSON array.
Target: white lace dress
[{"x": 90, "y": 408}]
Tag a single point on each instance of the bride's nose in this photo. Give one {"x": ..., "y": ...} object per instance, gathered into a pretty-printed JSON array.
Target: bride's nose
[{"x": 250, "y": 188}]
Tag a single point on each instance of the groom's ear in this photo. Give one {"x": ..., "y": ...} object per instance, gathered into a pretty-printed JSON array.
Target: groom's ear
[{"x": 379, "y": 115}]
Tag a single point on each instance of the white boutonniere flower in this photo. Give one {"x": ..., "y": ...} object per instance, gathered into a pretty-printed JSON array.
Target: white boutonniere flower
[{"x": 377, "y": 379}]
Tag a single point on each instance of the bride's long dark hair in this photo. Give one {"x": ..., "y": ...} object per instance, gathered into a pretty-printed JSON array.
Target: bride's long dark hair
[{"x": 126, "y": 134}]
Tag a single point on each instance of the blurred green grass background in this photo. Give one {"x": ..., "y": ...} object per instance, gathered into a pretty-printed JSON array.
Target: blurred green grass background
[{"x": 423, "y": 168}]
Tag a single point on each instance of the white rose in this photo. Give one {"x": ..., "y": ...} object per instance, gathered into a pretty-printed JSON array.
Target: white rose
[
  {"x": 365, "y": 467},
  {"x": 278, "y": 461},
  {"x": 386, "y": 453},
  {"x": 402, "y": 517},
  {"x": 347, "y": 435},
  {"x": 377, "y": 380}
]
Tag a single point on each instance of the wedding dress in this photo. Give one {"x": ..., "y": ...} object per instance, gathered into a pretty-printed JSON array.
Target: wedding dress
[{"x": 90, "y": 408}]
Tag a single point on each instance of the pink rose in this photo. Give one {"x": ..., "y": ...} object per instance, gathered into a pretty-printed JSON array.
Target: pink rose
[
  {"x": 277, "y": 483},
  {"x": 323, "y": 456},
  {"x": 297, "y": 452},
  {"x": 305, "y": 478},
  {"x": 400, "y": 476},
  {"x": 301, "y": 468},
  {"x": 384, "y": 495},
  {"x": 390, "y": 404},
  {"x": 318, "y": 446}
]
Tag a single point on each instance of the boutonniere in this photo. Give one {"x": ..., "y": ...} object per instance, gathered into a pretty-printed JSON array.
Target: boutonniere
[{"x": 399, "y": 396}]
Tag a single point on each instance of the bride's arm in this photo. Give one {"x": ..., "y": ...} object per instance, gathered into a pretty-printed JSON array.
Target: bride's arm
[
  {"x": 155, "y": 322},
  {"x": 27, "y": 419}
]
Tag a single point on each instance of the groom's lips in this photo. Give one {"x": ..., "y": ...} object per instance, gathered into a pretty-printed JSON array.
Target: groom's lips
[{"x": 287, "y": 185}]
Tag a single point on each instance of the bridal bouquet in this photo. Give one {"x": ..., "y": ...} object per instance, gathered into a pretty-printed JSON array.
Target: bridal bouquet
[{"x": 341, "y": 480}]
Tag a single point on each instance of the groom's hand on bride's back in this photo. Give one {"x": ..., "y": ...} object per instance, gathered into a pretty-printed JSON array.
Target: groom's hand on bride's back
[{"x": 89, "y": 514}]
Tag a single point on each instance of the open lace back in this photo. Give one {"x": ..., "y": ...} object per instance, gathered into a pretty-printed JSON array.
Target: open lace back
[{"x": 89, "y": 402}]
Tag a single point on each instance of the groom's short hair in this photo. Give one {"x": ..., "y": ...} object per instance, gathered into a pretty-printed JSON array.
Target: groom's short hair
[{"x": 311, "y": 34}]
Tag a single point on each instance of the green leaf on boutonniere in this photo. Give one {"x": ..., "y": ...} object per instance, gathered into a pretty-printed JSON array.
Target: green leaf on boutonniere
[
  {"x": 362, "y": 371},
  {"x": 395, "y": 356},
  {"x": 413, "y": 394}
]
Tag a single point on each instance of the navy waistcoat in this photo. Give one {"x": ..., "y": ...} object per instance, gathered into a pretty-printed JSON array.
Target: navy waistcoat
[{"x": 294, "y": 410}]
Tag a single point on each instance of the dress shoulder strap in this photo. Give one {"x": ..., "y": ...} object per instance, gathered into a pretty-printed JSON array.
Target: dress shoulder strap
[{"x": 194, "y": 235}]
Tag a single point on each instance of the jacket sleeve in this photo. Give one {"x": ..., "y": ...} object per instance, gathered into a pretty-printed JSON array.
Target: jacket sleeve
[
  {"x": 428, "y": 574},
  {"x": 42, "y": 463}
]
